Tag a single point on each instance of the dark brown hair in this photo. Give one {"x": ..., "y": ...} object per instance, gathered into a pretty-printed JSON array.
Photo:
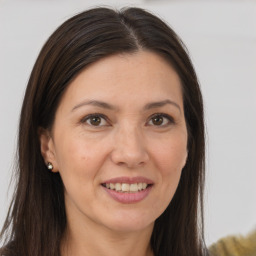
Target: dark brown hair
[{"x": 36, "y": 220}]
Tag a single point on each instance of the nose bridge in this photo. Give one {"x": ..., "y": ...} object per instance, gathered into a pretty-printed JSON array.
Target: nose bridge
[
  {"x": 131, "y": 137},
  {"x": 129, "y": 149}
]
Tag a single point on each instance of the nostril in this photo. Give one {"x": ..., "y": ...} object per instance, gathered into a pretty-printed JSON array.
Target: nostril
[
  {"x": 130, "y": 164},
  {"x": 129, "y": 158}
]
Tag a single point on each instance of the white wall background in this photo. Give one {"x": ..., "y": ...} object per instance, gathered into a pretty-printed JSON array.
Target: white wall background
[{"x": 221, "y": 37}]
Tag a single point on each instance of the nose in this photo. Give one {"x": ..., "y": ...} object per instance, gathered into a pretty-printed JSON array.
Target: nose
[{"x": 129, "y": 148}]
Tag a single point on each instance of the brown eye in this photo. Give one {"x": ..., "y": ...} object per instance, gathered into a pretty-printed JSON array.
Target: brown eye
[
  {"x": 95, "y": 120},
  {"x": 157, "y": 120},
  {"x": 161, "y": 120}
]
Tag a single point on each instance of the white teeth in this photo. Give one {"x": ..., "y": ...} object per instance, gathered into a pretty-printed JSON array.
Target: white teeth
[
  {"x": 118, "y": 187},
  {"x": 134, "y": 187},
  {"x": 125, "y": 187}
]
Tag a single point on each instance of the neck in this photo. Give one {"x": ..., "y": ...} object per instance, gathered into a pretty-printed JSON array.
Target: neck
[{"x": 83, "y": 240}]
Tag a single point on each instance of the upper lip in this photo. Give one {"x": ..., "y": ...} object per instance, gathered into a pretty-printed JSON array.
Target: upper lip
[{"x": 129, "y": 180}]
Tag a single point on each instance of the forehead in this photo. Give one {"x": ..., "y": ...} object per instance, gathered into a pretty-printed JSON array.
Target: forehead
[{"x": 138, "y": 77}]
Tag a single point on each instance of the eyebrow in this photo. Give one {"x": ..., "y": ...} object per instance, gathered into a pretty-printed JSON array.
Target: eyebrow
[
  {"x": 105, "y": 105},
  {"x": 95, "y": 103},
  {"x": 159, "y": 104}
]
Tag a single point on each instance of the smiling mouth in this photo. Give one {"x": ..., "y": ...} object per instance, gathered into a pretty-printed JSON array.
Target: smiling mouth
[{"x": 127, "y": 188}]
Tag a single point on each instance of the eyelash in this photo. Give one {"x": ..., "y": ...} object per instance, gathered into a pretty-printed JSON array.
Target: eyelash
[
  {"x": 101, "y": 116},
  {"x": 86, "y": 118},
  {"x": 163, "y": 115}
]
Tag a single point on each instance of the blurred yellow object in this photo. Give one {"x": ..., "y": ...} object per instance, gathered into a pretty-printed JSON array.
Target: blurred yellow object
[{"x": 235, "y": 246}]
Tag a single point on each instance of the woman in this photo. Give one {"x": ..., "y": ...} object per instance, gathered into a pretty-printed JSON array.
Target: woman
[{"x": 111, "y": 143}]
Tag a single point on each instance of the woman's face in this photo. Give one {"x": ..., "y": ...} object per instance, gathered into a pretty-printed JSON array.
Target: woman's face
[{"x": 119, "y": 141}]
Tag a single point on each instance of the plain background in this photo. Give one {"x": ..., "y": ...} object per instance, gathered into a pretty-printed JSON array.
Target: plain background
[{"x": 221, "y": 38}]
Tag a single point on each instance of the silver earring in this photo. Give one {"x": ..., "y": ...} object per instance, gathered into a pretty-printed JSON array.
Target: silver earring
[{"x": 49, "y": 166}]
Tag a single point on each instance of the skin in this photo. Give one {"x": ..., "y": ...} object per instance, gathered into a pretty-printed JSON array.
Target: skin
[{"x": 129, "y": 141}]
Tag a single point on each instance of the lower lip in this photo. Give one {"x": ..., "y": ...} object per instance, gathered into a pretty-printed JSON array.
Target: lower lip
[{"x": 128, "y": 198}]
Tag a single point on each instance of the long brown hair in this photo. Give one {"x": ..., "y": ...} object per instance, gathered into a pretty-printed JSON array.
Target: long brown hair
[{"x": 36, "y": 220}]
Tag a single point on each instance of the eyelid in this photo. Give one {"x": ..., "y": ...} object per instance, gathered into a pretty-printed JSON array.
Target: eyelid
[
  {"x": 87, "y": 117},
  {"x": 164, "y": 115}
]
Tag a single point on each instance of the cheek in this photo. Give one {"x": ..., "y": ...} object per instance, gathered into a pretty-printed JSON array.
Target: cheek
[
  {"x": 79, "y": 157},
  {"x": 170, "y": 159},
  {"x": 170, "y": 155},
  {"x": 78, "y": 164}
]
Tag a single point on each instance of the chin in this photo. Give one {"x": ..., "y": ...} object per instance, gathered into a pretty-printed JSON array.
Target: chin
[{"x": 130, "y": 222}]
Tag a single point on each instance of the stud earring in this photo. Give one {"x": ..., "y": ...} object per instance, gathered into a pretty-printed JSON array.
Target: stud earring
[{"x": 49, "y": 166}]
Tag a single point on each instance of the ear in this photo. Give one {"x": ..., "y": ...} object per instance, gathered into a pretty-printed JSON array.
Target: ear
[{"x": 47, "y": 148}]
